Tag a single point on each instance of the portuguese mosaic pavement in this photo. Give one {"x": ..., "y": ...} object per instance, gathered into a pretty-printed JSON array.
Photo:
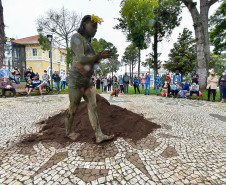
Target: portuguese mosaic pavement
[{"x": 188, "y": 149}]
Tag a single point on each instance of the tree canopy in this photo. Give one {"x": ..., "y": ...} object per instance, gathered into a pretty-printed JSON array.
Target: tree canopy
[
  {"x": 108, "y": 65},
  {"x": 183, "y": 56},
  {"x": 218, "y": 29}
]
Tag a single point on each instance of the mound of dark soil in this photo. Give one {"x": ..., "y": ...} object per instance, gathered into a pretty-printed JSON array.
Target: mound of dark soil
[{"x": 113, "y": 120}]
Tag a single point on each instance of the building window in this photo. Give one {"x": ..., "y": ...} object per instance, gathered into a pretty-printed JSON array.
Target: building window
[
  {"x": 34, "y": 51},
  {"x": 61, "y": 58}
]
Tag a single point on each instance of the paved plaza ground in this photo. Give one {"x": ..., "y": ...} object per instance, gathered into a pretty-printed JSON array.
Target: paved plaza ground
[{"x": 190, "y": 147}]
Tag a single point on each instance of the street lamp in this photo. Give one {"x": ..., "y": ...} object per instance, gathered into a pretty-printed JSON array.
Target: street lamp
[{"x": 50, "y": 38}]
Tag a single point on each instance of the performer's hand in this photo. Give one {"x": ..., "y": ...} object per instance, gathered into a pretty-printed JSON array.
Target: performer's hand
[{"x": 106, "y": 54}]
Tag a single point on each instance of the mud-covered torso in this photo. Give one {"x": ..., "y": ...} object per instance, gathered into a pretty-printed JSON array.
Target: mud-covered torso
[{"x": 85, "y": 69}]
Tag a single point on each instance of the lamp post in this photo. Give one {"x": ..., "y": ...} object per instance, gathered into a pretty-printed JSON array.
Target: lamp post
[{"x": 50, "y": 38}]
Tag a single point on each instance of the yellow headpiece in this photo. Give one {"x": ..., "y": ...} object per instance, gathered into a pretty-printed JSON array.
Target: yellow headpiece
[{"x": 96, "y": 19}]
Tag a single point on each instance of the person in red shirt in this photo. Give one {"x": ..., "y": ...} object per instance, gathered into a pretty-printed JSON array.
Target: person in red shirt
[{"x": 168, "y": 79}]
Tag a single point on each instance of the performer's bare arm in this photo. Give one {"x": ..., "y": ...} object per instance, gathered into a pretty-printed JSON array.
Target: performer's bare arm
[{"x": 78, "y": 48}]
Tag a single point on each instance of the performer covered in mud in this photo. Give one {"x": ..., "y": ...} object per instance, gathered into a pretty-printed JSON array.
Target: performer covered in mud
[{"x": 80, "y": 84}]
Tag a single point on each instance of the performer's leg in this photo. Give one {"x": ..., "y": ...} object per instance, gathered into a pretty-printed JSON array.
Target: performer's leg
[
  {"x": 75, "y": 96},
  {"x": 90, "y": 98}
]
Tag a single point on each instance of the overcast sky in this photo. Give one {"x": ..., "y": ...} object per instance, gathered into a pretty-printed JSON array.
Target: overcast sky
[{"x": 20, "y": 17}]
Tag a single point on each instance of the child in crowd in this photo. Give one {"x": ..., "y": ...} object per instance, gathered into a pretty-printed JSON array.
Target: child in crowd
[
  {"x": 115, "y": 89},
  {"x": 165, "y": 89}
]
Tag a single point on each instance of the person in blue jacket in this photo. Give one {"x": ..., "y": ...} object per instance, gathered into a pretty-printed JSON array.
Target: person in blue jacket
[
  {"x": 4, "y": 72},
  {"x": 177, "y": 77},
  {"x": 136, "y": 85},
  {"x": 184, "y": 90},
  {"x": 147, "y": 83},
  {"x": 158, "y": 83}
]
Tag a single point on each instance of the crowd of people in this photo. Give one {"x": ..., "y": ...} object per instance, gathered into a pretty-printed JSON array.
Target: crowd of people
[
  {"x": 175, "y": 87},
  {"x": 33, "y": 81}
]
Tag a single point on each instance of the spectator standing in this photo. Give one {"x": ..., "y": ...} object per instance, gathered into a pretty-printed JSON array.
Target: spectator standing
[
  {"x": 63, "y": 77},
  {"x": 158, "y": 83},
  {"x": 105, "y": 83},
  {"x": 29, "y": 87},
  {"x": 194, "y": 89},
  {"x": 223, "y": 81},
  {"x": 121, "y": 84},
  {"x": 142, "y": 81},
  {"x": 109, "y": 82},
  {"x": 56, "y": 79},
  {"x": 136, "y": 84},
  {"x": 168, "y": 79},
  {"x": 147, "y": 83},
  {"x": 114, "y": 79},
  {"x": 16, "y": 75},
  {"x": 6, "y": 85},
  {"x": 175, "y": 89},
  {"x": 184, "y": 90},
  {"x": 98, "y": 84},
  {"x": 212, "y": 81},
  {"x": 177, "y": 77},
  {"x": 220, "y": 83},
  {"x": 102, "y": 83},
  {"x": 126, "y": 83},
  {"x": 4, "y": 72},
  {"x": 195, "y": 77}
]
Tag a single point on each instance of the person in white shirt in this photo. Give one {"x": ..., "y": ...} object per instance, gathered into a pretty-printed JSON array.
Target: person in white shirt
[{"x": 63, "y": 81}]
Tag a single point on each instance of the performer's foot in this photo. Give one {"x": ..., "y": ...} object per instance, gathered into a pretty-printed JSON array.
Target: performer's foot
[
  {"x": 103, "y": 138},
  {"x": 73, "y": 136}
]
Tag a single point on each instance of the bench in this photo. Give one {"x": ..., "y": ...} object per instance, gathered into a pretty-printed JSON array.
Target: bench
[{"x": 20, "y": 88}]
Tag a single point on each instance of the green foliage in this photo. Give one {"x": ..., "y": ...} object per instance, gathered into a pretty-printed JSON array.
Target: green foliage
[
  {"x": 68, "y": 58},
  {"x": 163, "y": 78},
  {"x": 130, "y": 55},
  {"x": 149, "y": 62},
  {"x": 137, "y": 15},
  {"x": 183, "y": 56},
  {"x": 107, "y": 65},
  {"x": 218, "y": 31},
  {"x": 167, "y": 17},
  {"x": 218, "y": 63},
  {"x": 44, "y": 42}
]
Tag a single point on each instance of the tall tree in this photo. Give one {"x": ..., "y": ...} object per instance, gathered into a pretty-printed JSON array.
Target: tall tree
[
  {"x": 136, "y": 15},
  {"x": 218, "y": 29},
  {"x": 2, "y": 35},
  {"x": 107, "y": 65},
  {"x": 62, "y": 25},
  {"x": 130, "y": 57},
  {"x": 165, "y": 20},
  {"x": 200, "y": 20},
  {"x": 183, "y": 56}
]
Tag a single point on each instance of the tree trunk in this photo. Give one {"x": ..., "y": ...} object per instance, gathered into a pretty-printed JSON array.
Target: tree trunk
[
  {"x": 2, "y": 35},
  {"x": 67, "y": 67},
  {"x": 200, "y": 21},
  {"x": 155, "y": 48},
  {"x": 139, "y": 65},
  {"x": 132, "y": 72}
]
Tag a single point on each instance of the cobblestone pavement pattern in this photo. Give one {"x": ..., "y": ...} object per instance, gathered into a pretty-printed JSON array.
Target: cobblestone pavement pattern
[{"x": 188, "y": 149}]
